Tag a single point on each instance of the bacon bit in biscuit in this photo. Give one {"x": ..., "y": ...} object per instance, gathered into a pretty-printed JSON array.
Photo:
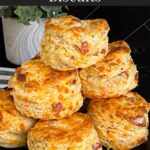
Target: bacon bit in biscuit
[
  {"x": 140, "y": 121},
  {"x": 21, "y": 77},
  {"x": 137, "y": 76},
  {"x": 84, "y": 47},
  {"x": 57, "y": 107},
  {"x": 125, "y": 74},
  {"x": 97, "y": 146},
  {"x": 73, "y": 81}
]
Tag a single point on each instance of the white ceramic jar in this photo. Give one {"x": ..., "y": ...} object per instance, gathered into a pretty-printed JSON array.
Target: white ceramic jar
[{"x": 22, "y": 42}]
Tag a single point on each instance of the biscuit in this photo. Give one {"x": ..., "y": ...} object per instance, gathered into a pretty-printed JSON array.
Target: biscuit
[
  {"x": 112, "y": 77},
  {"x": 13, "y": 125},
  {"x": 43, "y": 93},
  {"x": 121, "y": 123},
  {"x": 70, "y": 43},
  {"x": 76, "y": 132}
]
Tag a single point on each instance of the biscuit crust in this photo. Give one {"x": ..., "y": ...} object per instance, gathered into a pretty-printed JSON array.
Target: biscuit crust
[
  {"x": 13, "y": 125},
  {"x": 73, "y": 133},
  {"x": 70, "y": 43},
  {"x": 121, "y": 123},
  {"x": 43, "y": 93}
]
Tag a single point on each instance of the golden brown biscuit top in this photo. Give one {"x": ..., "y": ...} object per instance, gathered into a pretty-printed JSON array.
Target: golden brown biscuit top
[
  {"x": 131, "y": 107},
  {"x": 35, "y": 74},
  {"x": 70, "y": 131},
  {"x": 73, "y": 24},
  {"x": 117, "y": 60}
]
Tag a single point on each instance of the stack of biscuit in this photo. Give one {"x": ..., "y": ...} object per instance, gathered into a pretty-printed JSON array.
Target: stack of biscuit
[{"x": 75, "y": 63}]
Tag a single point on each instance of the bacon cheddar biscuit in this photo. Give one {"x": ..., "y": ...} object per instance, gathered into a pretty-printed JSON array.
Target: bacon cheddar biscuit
[
  {"x": 43, "y": 93},
  {"x": 76, "y": 132},
  {"x": 112, "y": 77},
  {"x": 121, "y": 123},
  {"x": 70, "y": 43}
]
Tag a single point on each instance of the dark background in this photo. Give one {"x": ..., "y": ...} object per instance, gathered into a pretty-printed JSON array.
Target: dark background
[{"x": 129, "y": 23}]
